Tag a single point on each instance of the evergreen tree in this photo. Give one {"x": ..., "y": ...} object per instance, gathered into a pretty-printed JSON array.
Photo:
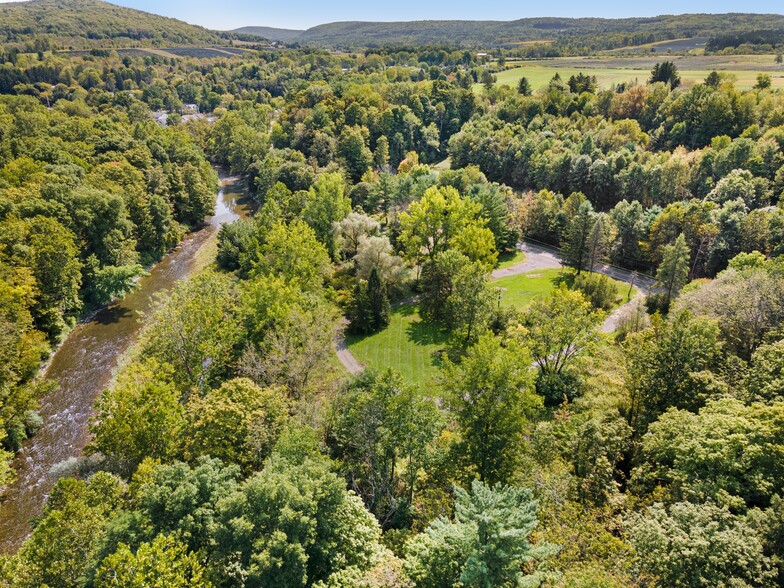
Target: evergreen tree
[
  {"x": 370, "y": 310},
  {"x": 599, "y": 240},
  {"x": 377, "y": 301},
  {"x": 524, "y": 86},
  {"x": 673, "y": 271},
  {"x": 666, "y": 72},
  {"x": 576, "y": 249},
  {"x": 381, "y": 154}
]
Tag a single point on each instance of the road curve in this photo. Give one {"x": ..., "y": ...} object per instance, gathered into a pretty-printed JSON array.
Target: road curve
[{"x": 539, "y": 257}]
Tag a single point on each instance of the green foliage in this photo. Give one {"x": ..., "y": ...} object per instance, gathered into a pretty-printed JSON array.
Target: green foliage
[
  {"x": 689, "y": 545},
  {"x": 139, "y": 417},
  {"x": 381, "y": 433},
  {"x": 556, "y": 329},
  {"x": 745, "y": 302},
  {"x": 490, "y": 393},
  {"x": 293, "y": 252},
  {"x": 599, "y": 289},
  {"x": 673, "y": 271},
  {"x": 765, "y": 379},
  {"x": 484, "y": 546},
  {"x": 238, "y": 423},
  {"x": 727, "y": 449},
  {"x": 294, "y": 524},
  {"x": 442, "y": 220},
  {"x": 666, "y": 72},
  {"x": 196, "y": 330},
  {"x": 164, "y": 562},
  {"x": 668, "y": 364},
  {"x": 576, "y": 249},
  {"x": 61, "y": 548},
  {"x": 370, "y": 308},
  {"x": 326, "y": 204},
  {"x": 106, "y": 26},
  {"x": 173, "y": 500}
]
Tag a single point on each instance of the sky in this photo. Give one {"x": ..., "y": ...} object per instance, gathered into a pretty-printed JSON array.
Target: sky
[{"x": 301, "y": 14}]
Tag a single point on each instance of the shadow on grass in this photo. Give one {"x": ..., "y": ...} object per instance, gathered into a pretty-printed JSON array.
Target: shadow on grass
[
  {"x": 564, "y": 278},
  {"x": 421, "y": 333},
  {"x": 405, "y": 310}
]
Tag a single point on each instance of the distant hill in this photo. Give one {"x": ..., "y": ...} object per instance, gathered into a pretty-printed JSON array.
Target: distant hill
[
  {"x": 591, "y": 33},
  {"x": 270, "y": 33},
  {"x": 85, "y": 24}
]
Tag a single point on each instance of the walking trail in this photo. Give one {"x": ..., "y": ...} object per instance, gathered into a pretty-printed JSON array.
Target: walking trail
[{"x": 539, "y": 257}]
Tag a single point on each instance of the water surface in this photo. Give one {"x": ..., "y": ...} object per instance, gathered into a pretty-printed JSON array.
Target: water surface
[{"x": 83, "y": 365}]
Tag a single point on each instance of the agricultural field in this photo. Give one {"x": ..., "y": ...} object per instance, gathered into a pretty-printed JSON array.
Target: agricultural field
[{"x": 615, "y": 69}]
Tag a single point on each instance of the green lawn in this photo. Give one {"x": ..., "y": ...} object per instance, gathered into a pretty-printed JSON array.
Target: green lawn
[
  {"x": 412, "y": 347},
  {"x": 519, "y": 290},
  {"x": 407, "y": 345},
  {"x": 510, "y": 258}
]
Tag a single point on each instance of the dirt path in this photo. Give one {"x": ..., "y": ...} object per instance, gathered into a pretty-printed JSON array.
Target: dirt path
[
  {"x": 349, "y": 361},
  {"x": 539, "y": 257}
]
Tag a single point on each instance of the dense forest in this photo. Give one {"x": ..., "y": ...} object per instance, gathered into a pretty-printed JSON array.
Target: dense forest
[
  {"x": 569, "y": 34},
  {"x": 85, "y": 24},
  {"x": 232, "y": 449}
]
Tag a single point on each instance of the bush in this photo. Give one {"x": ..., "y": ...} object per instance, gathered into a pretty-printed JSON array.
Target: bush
[
  {"x": 554, "y": 387},
  {"x": 600, "y": 290}
]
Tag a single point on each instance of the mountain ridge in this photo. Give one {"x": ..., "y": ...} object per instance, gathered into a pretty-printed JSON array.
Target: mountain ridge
[
  {"x": 88, "y": 24},
  {"x": 615, "y": 32}
]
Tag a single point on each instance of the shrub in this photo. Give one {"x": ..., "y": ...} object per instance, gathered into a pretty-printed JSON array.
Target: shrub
[{"x": 600, "y": 290}]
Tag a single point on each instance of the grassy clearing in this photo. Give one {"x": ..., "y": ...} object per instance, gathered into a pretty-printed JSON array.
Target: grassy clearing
[
  {"x": 518, "y": 291},
  {"x": 408, "y": 345},
  {"x": 510, "y": 258},
  {"x": 412, "y": 347},
  {"x": 616, "y": 69}
]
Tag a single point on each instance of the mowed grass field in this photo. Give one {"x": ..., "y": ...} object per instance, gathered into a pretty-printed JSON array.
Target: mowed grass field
[
  {"x": 518, "y": 291},
  {"x": 413, "y": 347},
  {"x": 408, "y": 345},
  {"x": 614, "y": 70}
]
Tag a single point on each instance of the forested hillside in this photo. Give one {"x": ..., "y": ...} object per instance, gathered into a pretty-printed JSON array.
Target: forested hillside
[
  {"x": 84, "y": 24},
  {"x": 605, "y": 411},
  {"x": 583, "y": 33}
]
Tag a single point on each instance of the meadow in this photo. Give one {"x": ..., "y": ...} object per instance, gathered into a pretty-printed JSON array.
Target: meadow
[{"x": 615, "y": 69}]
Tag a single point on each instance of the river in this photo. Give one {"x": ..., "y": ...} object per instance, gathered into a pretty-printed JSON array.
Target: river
[{"x": 83, "y": 366}]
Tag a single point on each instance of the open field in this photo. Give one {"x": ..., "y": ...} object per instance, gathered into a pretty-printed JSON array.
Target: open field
[
  {"x": 615, "y": 69},
  {"x": 673, "y": 46},
  {"x": 412, "y": 347},
  {"x": 408, "y": 345},
  {"x": 518, "y": 291}
]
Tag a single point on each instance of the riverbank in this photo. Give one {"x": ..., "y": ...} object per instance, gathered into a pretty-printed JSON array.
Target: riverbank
[{"x": 85, "y": 362}]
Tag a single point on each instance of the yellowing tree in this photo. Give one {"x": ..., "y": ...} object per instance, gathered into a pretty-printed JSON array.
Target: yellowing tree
[{"x": 442, "y": 220}]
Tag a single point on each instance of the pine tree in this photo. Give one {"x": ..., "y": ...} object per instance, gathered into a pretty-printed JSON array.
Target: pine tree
[
  {"x": 377, "y": 301},
  {"x": 599, "y": 240},
  {"x": 371, "y": 309},
  {"x": 576, "y": 251},
  {"x": 381, "y": 155},
  {"x": 524, "y": 86},
  {"x": 673, "y": 273}
]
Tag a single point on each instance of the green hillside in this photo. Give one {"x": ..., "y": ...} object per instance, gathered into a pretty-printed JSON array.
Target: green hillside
[
  {"x": 83, "y": 24},
  {"x": 271, "y": 33},
  {"x": 591, "y": 33}
]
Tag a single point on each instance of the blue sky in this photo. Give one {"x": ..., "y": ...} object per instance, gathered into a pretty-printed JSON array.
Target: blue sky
[{"x": 229, "y": 14}]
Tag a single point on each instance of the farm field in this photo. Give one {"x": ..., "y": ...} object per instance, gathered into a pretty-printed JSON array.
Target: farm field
[{"x": 614, "y": 69}]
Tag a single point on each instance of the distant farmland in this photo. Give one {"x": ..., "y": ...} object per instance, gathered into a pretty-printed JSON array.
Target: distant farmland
[{"x": 616, "y": 69}]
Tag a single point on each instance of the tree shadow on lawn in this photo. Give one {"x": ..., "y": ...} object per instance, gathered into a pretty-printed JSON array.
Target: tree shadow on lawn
[
  {"x": 564, "y": 278},
  {"x": 422, "y": 333}
]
